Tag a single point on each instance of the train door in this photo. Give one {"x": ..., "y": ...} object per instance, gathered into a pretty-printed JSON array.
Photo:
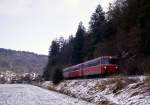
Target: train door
[
  {"x": 100, "y": 65},
  {"x": 82, "y": 70}
]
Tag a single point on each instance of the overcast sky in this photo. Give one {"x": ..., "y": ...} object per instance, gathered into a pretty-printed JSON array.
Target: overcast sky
[{"x": 31, "y": 25}]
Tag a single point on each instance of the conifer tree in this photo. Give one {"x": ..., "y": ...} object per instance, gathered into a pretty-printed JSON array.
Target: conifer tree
[
  {"x": 53, "y": 60},
  {"x": 77, "y": 54},
  {"x": 97, "y": 23}
]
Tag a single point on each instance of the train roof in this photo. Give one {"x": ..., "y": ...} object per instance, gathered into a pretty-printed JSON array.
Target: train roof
[{"x": 71, "y": 67}]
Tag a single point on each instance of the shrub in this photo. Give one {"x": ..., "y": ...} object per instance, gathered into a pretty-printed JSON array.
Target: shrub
[{"x": 58, "y": 75}]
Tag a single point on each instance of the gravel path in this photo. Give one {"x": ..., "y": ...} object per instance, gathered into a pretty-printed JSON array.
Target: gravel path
[{"x": 17, "y": 94}]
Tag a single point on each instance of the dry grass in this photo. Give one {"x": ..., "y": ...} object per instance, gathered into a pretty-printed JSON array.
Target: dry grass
[
  {"x": 89, "y": 99},
  {"x": 137, "y": 85},
  {"x": 116, "y": 84},
  {"x": 108, "y": 82},
  {"x": 105, "y": 102},
  {"x": 100, "y": 87},
  {"x": 147, "y": 73},
  {"x": 134, "y": 94},
  {"x": 147, "y": 80},
  {"x": 51, "y": 88}
]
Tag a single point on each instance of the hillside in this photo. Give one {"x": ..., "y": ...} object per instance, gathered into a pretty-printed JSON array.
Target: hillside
[{"x": 20, "y": 61}]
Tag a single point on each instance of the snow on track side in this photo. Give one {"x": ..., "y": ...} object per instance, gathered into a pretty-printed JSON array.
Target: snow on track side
[
  {"x": 107, "y": 91},
  {"x": 15, "y": 94}
]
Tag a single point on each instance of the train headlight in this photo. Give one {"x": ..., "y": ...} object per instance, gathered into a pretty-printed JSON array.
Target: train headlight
[
  {"x": 116, "y": 67},
  {"x": 105, "y": 67}
]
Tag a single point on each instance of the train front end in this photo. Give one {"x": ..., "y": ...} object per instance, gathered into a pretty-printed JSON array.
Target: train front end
[{"x": 110, "y": 65}]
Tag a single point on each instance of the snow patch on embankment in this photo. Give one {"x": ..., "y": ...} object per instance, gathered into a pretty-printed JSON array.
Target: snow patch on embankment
[{"x": 109, "y": 91}]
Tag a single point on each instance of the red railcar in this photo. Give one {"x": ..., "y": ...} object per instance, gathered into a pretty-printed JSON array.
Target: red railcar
[{"x": 98, "y": 66}]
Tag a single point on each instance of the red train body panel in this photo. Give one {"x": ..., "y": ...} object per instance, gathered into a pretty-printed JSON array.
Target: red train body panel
[{"x": 98, "y": 66}]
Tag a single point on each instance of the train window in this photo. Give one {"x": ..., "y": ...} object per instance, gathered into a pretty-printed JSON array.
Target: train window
[
  {"x": 91, "y": 63},
  {"x": 73, "y": 68},
  {"x": 108, "y": 61},
  {"x": 66, "y": 69},
  {"x": 77, "y": 67},
  {"x": 104, "y": 61},
  {"x": 85, "y": 64},
  {"x": 96, "y": 62}
]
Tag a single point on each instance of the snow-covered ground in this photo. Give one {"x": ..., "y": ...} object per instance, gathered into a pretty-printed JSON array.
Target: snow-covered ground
[
  {"x": 17, "y": 94},
  {"x": 107, "y": 91}
]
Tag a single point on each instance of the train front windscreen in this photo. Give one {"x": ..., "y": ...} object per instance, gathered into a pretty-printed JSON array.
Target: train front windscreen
[
  {"x": 109, "y": 61},
  {"x": 113, "y": 61}
]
